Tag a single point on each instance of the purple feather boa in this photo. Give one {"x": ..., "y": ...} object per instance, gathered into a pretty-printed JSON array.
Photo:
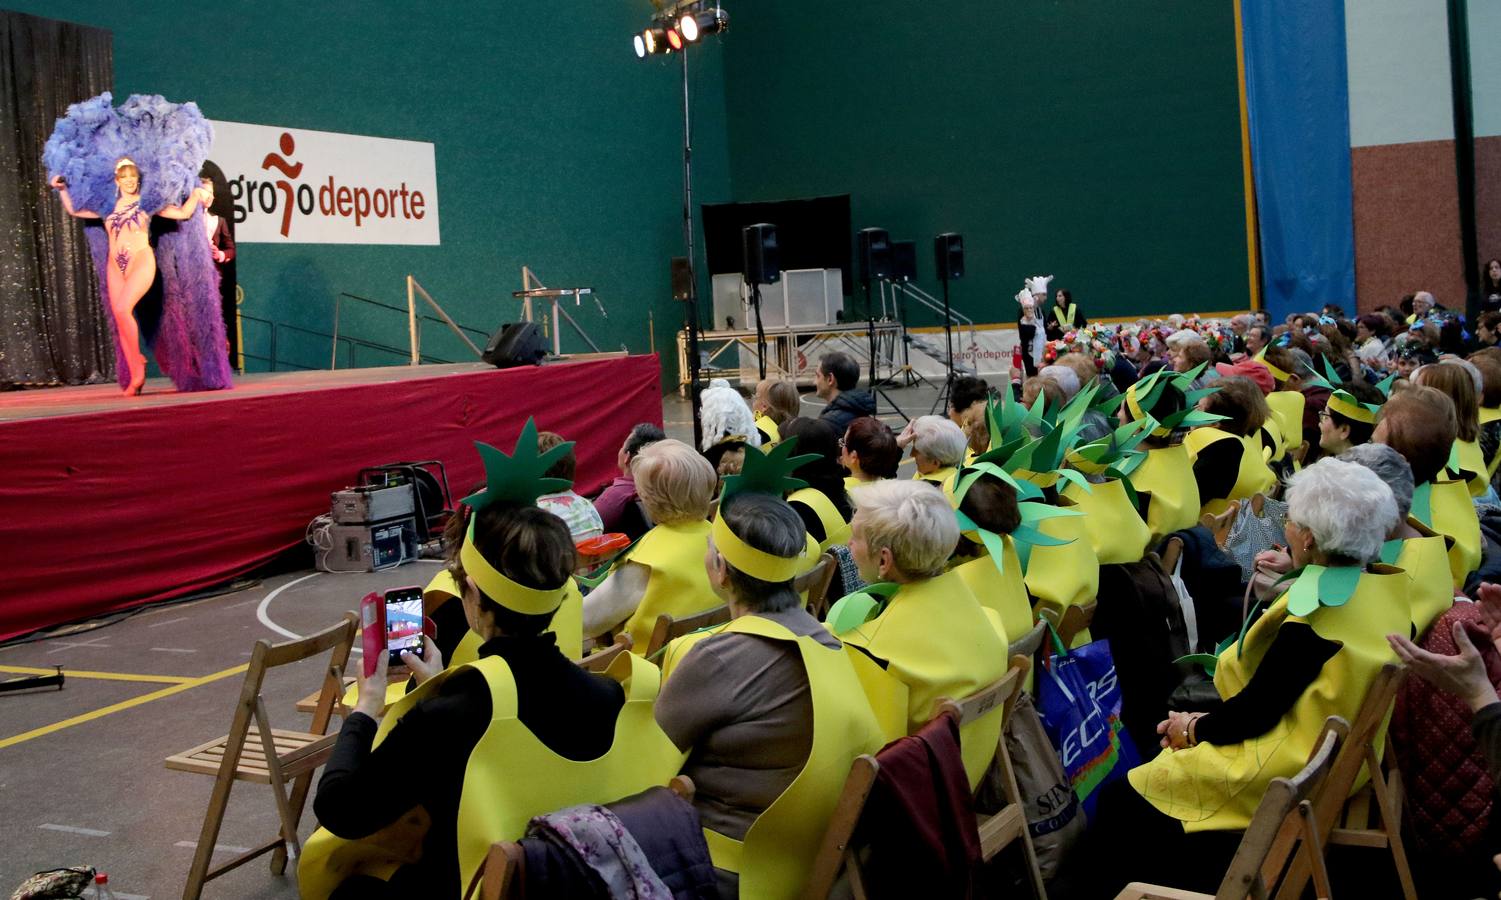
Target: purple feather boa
[{"x": 180, "y": 317}]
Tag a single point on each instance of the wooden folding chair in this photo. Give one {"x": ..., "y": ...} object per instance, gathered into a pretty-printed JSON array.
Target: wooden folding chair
[
  {"x": 837, "y": 855},
  {"x": 814, "y": 584},
  {"x": 503, "y": 876},
  {"x": 1362, "y": 752},
  {"x": 1172, "y": 551},
  {"x": 1071, "y": 622},
  {"x": 669, "y": 628},
  {"x": 267, "y": 756},
  {"x": 1282, "y": 827},
  {"x": 600, "y": 660},
  {"x": 1220, "y": 525},
  {"x": 1001, "y": 830}
]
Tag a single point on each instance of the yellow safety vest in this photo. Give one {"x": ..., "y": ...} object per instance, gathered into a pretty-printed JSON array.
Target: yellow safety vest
[
  {"x": 776, "y": 856},
  {"x": 769, "y": 428},
  {"x": 1067, "y": 575},
  {"x": 1167, "y": 475},
  {"x": 1002, "y": 591},
  {"x": 1252, "y": 476},
  {"x": 936, "y": 641},
  {"x": 851, "y": 482},
  {"x": 511, "y": 777},
  {"x": 1472, "y": 467},
  {"x": 1116, "y": 530},
  {"x": 1287, "y": 412},
  {"x": 678, "y": 586},
  {"x": 939, "y": 477},
  {"x": 1452, "y": 514},
  {"x": 836, "y": 530},
  {"x": 1426, "y": 562},
  {"x": 1217, "y": 788}
]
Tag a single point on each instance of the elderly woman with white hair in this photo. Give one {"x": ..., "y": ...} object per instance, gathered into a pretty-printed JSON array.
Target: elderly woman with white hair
[
  {"x": 938, "y": 447},
  {"x": 663, "y": 572},
  {"x": 1311, "y": 655},
  {"x": 930, "y": 639}
]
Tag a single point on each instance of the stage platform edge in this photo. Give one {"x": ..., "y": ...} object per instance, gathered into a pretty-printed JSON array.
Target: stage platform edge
[{"x": 110, "y": 502}]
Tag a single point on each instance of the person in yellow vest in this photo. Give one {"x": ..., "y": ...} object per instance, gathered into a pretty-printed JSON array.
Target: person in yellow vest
[
  {"x": 869, "y": 451},
  {"x": 1460, "y": 382},
  {"x": 663, "y": 572},
  {"x": 929, "y": 638},
  {"x": 1410, "y": 546},
  {"x": 1420, "y": 423},
  {"x": 408, "y": 807},
  {"x": 989, "y": 504},
  {"x": 1228, "y": 463},
  {"x": 1349, "y": 418},
  {"x": 1286, "y": 399},
  {"x": 776, "y": 402},
  {"x": 823, "y": 504},
  {"x": 1488, "y": 363},
  {"x": 768, "y": 708},
  {"x": 1164, "y": 481},
  {"x": 1062, "y": 316},
  {"x": 938, "y": 447},
  {"x": 1311, "y": 655}
]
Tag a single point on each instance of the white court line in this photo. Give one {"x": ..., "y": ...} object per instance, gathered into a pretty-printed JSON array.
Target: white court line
[
  {"x": 120, "y": 896},
  {"x": 218, "y": 848},
  {"x": 168, "y": 622},
  {"x": 172, "y": 650},
  {"x": 242, "y": 603},
  {"x": 72, "y": 829},
  {"x": 260, "y": 611}
]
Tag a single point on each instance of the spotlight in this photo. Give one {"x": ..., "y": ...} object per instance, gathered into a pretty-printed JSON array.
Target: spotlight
[
  {"x": 694, "y": 25},
  {"x": 640, "y": 44},
  {"x": 674, "y": 40},
  {"x": 653, "y": 40}
]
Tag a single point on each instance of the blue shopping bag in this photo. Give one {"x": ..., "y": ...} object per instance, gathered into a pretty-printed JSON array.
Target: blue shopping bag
[{"x": 1080, "y": 704}]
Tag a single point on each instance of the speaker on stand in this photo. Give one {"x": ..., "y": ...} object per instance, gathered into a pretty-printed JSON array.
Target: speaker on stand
[
  {"x": 904, "y": 272},
  {"x": 948, "y": 260},
  {"x": 762, "y": 264},
  {"x": 874, "y": 251}
]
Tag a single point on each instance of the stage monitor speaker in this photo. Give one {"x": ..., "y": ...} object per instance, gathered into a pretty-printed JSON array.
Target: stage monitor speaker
[
  {"x": 682, "y": 279},
  {"x": 904, "y": 261},
  {"x": 875, "y": 253},
  {"x": 515, "y": 344},
  {"x": 948, "y": 255},
  {"x": 762, "y": 258}
]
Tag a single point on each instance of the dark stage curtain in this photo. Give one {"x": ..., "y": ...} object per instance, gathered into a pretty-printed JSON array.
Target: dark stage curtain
[{"x": 52, "y": 326}]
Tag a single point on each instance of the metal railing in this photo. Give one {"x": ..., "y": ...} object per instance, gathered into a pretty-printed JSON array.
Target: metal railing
[
  {"x": 276, "y": 359},
  {"x": 934, "y": 304},
  {"x": 405, "y": 311}
]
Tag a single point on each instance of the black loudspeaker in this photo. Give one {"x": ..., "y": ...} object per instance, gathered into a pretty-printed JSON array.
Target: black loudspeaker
[
  {"x": 875, "y": 253},
  {"x": 682, "y": 279},
  {"x": 904, "y": 261},
  {"x": 948, "y": 255},
  {"x": 763, "y": 260},
  {"x": 515, "y": 344}
]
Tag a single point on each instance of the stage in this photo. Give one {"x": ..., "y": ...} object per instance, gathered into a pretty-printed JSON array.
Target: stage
[{"x": 110, "y": 502}]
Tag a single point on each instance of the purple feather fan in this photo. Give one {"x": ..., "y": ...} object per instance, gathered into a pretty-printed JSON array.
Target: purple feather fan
[{"x": 180, "y": 316}]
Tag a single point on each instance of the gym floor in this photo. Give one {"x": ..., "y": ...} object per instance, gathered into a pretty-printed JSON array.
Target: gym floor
[{"x": 82, "y": 779}]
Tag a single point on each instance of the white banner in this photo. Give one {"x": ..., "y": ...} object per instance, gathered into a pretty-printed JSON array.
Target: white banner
[{"x": 295, "y": 186}]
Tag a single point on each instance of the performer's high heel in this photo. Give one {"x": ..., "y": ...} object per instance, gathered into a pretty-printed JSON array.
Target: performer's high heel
[{"x": 138, "y": 380}]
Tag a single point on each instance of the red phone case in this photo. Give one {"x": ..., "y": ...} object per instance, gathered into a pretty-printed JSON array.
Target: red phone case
[{"x": 373, "y": 629}]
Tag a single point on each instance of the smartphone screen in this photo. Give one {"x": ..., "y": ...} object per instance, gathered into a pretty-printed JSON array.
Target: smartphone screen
[{"x": 403, "y": 622}]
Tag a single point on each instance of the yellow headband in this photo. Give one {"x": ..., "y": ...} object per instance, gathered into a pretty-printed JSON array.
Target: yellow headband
[
  {"x": 753, "y": 562},
  {"x": 515, "y": 597},
  {"x": 1354, "y": 411},
  {"x": 1138, "y": 415},
  {"x": 1277, "y": 374}
]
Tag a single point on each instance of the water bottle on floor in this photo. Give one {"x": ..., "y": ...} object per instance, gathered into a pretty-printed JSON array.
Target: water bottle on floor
[{"x": 101, "y": 887}]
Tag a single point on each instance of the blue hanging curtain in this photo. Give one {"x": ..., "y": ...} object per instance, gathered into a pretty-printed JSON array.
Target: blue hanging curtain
[{"x": 1298, "y": 100}]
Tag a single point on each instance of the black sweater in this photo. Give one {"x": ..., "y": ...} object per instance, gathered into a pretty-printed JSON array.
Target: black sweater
[
  {"x": 1290, "y": 666},
  {"x": 422, "y": 761}
]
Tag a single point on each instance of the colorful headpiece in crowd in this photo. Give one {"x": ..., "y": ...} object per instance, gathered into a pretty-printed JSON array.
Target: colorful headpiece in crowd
[
  {"x": 1038, "y": 284},
  {"x": 1278, "y": 375},
  {"x": 124, "y": 161},
  {"x": 516, "y": 479},
  {"x": 1143, "y": 395},
  {"x": 764, "y": 472}
]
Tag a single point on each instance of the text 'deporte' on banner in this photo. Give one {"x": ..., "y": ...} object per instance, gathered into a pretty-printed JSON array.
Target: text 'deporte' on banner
[{"x": 296, "y": 186}]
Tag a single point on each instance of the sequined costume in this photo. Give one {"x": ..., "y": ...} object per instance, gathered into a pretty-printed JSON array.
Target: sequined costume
[{"x": 179, "y": 317}]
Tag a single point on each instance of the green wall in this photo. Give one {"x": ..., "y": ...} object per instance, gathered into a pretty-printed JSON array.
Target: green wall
[
  {"x": 556, "y": 148},
  {"x": 1096, "y": 140}
]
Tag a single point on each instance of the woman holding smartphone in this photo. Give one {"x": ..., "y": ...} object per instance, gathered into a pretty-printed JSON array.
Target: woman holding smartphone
[{"x": 408, "y": 806}]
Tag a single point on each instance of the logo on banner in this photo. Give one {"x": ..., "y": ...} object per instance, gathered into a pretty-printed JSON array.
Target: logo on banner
[{"x": 320, "y": 187}]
